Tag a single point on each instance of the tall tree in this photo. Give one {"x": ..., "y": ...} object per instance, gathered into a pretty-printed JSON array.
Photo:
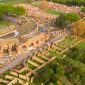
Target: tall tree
[
  {"x": 60, "y": 21},
  {"x": 79, "y": 28}
]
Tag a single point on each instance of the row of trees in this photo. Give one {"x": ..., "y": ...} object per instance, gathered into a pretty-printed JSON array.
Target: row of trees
[
  {"x": 10, "y": 10},
  {"x": 70, "y": 2}
]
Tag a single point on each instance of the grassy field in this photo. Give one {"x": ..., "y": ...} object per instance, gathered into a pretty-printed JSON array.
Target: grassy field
[{"x": 52, "y": 11}]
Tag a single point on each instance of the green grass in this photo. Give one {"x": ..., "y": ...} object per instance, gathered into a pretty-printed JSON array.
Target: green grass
[
  {"x": 4, "y": 23},
  {"x": 53, "y": 12},
  {"x": 37, "y": 62},
  {"x": 17, "y": 83},
  {"x": 31, "y": 66},
  {"x": 42, "y": 58},
  {"x": 67, "y": 41},
  {"x": 24, "y": 72},
  {"x": 3, "y": 75},
  {"x": 81, "y": 45}
]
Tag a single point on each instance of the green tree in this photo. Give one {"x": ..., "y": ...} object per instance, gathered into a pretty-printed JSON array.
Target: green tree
[
  {"x": 29, "y": 1},
  {"x": 18, "y": 11},
  {"x": 83, "y": 9},
  {"x": 72, "y": 17},
  {"x": 59, "y": 72},
  {"x": 83, "y": 79},
  {"x": 60, "y": 21},
  {"x": 47, "y": 74},
  {"x": 74, "y": 53}
]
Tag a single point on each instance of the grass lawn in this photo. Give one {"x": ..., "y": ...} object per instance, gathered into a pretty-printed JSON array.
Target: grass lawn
[
  {"x": 53, "y": 12},
  {"x": 81, "y": 45},
  {"x": 67, "y": 41},
  {"x": 5, "y": 23}
]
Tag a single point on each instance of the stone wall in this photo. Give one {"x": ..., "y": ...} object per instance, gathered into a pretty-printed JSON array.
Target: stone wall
[{"x": 33, "y": 43}]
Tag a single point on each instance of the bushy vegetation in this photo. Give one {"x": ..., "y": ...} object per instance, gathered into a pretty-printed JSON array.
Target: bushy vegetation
[
  {"x": 83, "y": 9},
  {"x": 11, "y": 10},
  {"x": 65, "y": 19},
  {"x": 53, "y": 74}
]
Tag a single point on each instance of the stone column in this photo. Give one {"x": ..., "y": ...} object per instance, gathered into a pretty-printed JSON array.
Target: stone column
[
  {"x": 19, "y": 50},
  {"x": 10, "y": 50},
  {"x": 1, "y": 51}
]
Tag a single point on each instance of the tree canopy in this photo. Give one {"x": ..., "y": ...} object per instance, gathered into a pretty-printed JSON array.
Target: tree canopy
[
  {"x": 79, "y": 28},
  {"x": 60, "y": 21},
  {"x": 72, "y": 17},
  {"x": 63, "y": 19},
  {"x": 17, "y": 11},
  {"x": 70, "y": 2},
  {"x": 83, "y": 9},
  {"x": 10, "y": 9}
]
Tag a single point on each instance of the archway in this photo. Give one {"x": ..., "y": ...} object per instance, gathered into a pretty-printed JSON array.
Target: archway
[
  {"x": 24, "y": 48},
  {"x": 37, "y": 42},
  {"x": 5, "y": 50},
  {"x": 14, "y": 48},
  {"x": 31, "y": 46}
]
